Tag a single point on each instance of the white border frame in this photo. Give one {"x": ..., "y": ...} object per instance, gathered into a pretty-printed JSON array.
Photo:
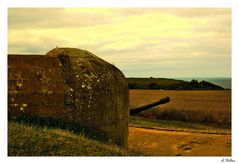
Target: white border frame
[{"x": 233, "y": 4}]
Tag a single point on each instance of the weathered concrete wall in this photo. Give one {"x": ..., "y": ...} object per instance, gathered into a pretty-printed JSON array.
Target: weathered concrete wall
[{"x": 72, "y": 85}]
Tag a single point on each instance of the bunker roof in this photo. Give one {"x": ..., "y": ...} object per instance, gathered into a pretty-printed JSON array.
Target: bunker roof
[{"x": 71, "y": 52}]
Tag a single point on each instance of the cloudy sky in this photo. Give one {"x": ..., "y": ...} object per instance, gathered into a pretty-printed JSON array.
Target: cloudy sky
[{"x": 158, "y": 42}]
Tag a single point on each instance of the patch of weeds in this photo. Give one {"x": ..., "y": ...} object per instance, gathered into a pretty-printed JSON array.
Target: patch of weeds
[
  {"x": 203, "y": 117},
  {"x": 59, "y": 124}
]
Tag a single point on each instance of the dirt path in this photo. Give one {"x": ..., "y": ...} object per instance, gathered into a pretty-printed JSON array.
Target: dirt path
[{"x": 169, "y": 143}]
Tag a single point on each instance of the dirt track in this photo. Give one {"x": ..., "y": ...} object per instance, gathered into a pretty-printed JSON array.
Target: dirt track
[{"x": 169, "y": 143}]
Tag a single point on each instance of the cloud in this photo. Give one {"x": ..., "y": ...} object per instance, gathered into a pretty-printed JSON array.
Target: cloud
[
  {"x": 40, "y": 18},
  {"x": 139, "y": 41}
]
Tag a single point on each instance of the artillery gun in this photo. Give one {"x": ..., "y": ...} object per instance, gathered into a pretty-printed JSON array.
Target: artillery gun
[{"x": 139, "y": 109}]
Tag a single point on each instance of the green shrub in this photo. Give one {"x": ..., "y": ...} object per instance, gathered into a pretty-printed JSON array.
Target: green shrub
[{"x": 186, "y": 116}]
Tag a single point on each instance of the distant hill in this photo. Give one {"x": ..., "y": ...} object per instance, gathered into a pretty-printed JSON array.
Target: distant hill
[{"x": 170, "y": 84}]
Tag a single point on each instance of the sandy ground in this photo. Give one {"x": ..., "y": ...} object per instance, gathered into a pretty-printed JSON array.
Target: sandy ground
[{"x": 169, "y": 143}]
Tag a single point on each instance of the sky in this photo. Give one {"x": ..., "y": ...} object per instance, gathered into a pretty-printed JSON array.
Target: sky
[{"x": 141, "y": 42}]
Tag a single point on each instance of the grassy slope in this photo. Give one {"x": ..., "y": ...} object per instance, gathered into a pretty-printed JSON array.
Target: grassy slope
[
  {"x": 26, "y": 140},
  {"x": 171, "y": 84}
]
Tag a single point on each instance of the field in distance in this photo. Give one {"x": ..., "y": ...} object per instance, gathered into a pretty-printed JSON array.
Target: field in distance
[{"x": 212, "y": 107}]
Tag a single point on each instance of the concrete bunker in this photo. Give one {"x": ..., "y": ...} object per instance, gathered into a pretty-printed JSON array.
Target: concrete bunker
[{"x": 71, "y": 85}]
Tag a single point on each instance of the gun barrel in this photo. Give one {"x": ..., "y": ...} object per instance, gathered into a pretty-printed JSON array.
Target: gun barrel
[{"x": 148, "y": 106}]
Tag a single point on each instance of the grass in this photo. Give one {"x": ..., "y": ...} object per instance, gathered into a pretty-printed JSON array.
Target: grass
[
  {"x": 31, "y": 140},
  {"x": 58, "y": 124},
  {"x": 176, "y": 126}
]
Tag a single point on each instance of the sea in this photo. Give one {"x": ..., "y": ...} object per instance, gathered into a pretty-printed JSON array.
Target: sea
[{"x": 224, "y": 82}]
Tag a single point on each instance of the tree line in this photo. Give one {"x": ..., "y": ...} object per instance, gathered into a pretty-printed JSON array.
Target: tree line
[{"x": 192, "y": 85}]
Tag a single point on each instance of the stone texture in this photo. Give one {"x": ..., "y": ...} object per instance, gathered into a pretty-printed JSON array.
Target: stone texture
[{"x": 72, "y": 85}]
